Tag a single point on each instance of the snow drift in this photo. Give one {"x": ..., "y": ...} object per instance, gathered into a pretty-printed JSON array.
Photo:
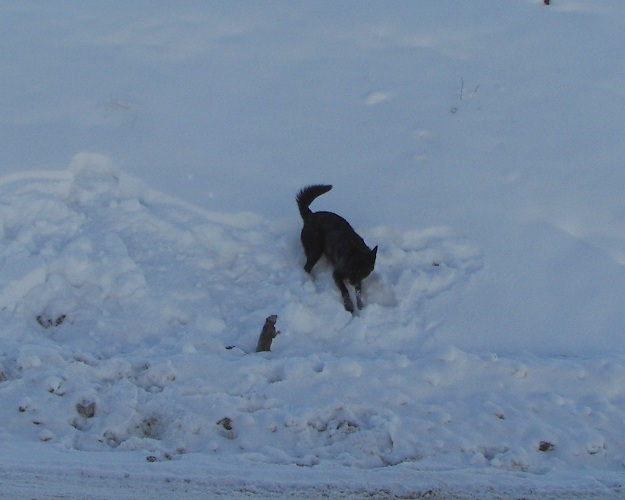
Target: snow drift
[{"x": 130, "y": 320}]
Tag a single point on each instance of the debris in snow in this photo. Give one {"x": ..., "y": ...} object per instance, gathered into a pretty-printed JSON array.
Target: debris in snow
[
  {"x": 49, "y": 323},
  {"x": 226, "y": 424},
  {"x": 546, "y": 446},
  {"x": 86, "y": 409}
]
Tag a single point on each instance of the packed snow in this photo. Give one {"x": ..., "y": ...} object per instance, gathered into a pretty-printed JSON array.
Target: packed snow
[{"x": 148, "y": 227}]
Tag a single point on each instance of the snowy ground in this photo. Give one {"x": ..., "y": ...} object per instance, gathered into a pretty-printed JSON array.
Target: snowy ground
[{"x": 478, "y": 144}]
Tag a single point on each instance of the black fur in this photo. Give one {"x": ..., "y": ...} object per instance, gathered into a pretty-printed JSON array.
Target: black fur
[{"x": 329, "y": 234}]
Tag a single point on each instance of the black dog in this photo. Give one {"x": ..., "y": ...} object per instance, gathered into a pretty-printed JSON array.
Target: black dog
[{"x": 326, "y": 232}]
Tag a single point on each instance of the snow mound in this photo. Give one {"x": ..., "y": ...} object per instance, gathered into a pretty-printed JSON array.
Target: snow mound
[{"x": 130, "y": 321}]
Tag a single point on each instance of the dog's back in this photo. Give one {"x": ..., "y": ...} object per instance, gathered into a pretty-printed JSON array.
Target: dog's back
[{"x": 343, "y": 247}]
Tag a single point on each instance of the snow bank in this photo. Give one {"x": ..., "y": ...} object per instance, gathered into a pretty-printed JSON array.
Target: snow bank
[{"x": 130, "y": 320}]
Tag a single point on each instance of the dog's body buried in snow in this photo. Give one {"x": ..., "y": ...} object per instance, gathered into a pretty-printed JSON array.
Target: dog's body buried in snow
[{"x": 329, "y": 234}]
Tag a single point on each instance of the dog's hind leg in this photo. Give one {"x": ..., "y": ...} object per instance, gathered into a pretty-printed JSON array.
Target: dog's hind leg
[
  {"x": 347, "y": 301},
  {"x": 312, "y": 241}
]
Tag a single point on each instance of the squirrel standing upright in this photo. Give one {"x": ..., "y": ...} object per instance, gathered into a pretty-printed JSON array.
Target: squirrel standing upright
[{"x": 267, "y": 334}]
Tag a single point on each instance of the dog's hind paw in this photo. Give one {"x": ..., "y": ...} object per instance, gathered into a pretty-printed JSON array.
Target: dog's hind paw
[{"x": 349, "y": 305}]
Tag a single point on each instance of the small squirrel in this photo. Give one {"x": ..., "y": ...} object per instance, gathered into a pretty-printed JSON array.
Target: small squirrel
[{"x": 268, "y": 334}]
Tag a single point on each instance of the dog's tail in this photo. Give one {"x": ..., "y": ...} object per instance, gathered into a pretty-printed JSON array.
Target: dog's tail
[{"x": 306, "y": 196}]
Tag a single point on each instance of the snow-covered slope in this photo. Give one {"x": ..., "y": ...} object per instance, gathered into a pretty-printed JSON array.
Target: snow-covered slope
[
  {"x": 117, "y": 298},
  {"x": 121, "y": 308},
  {"x": 478, "y": 144}
]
